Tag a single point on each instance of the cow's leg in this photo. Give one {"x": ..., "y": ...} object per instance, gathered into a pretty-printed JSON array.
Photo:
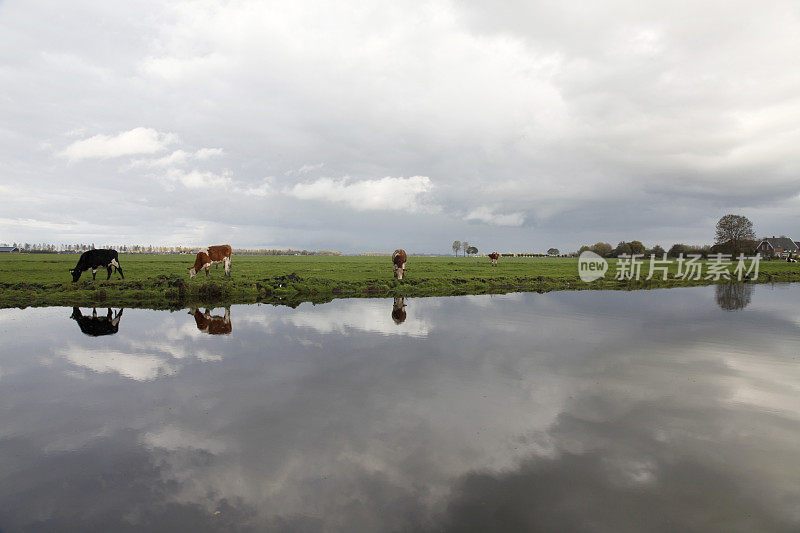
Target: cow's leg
[
  {"x": 94, "y": 274},
  {"x": 94, "y": 312},
  {"x": 118, "y": 268},
  {"x": 227, "y": 266},
  {"x": 110, "y": 270},
  {"x": 109, "y": 315}
]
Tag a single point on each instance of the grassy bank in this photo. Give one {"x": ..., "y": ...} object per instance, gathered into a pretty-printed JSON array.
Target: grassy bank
[{"x": 162, "y": 281}]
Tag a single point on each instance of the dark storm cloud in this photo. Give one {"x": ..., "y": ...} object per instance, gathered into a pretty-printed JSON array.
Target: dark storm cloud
[{"x": 509, "y": 126}]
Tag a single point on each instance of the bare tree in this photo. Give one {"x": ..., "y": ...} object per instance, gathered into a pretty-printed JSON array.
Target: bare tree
[
  {"x": 464, "y": 246},
  {"x": 735, "y": 230},
  {"x": 456, "y": 247}
]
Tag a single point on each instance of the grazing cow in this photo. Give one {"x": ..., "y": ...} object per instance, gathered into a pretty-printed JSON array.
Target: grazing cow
[
  {"x": 213, "y": 325},
  {"x": 209, "y": 256},
  {"x": 494, "y": 256},
  {"x": 399, "y": 260},
  {"x": 96, "y": 326},
  {"x": 399, "y": 311},
  {"x": 94, "y": 260}
]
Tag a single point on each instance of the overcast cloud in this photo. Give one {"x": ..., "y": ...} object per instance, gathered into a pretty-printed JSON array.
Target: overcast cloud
[{"x": 367, "y": 127}]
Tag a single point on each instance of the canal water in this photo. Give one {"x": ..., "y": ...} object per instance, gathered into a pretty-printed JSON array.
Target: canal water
[{"x": 662, "y": 410}]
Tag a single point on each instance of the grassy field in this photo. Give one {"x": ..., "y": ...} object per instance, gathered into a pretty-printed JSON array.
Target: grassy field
[{"x": 162, "y": 281}]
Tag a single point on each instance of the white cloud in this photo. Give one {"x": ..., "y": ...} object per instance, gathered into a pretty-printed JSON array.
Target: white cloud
[
  {"x": 308, "y": 168},
  {"x": 372, "y": 315},
  {"x": 484, "y": 214},
  {"x": 139, "y": 367},
  {"x": 196, "y": 179},
  {"x": 305, "y": 169},
  {"x": 263, "y": 190},
  {"x": 175, "y": 438},
  {"x": 386, "y": 193},
  {"x": 207, "y": 153},
  {"x": 178, "y": 157},
  {"x": 136, "y": 141}
]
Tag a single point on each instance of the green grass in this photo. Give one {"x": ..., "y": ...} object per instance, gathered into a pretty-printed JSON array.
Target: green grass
[{"x": 162, "y": 281}]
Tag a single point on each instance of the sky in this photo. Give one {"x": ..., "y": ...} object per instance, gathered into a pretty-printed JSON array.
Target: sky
[{"x": 370, "y": 126}]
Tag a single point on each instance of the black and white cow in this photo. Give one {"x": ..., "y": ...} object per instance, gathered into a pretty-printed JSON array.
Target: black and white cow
[
  {"x": 94, "y": 260},
  {"x": 96, "y": 326}
]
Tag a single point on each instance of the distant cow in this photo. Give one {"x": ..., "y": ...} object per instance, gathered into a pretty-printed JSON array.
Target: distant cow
[
  {"x": 399, "y": 311},
  {"x": 94, "y": 260},
  {"x": 96, "y": 326},
  {"x": 399, "y": 260},
  {"x": 213, "y": 325},
  {"x": 209, "y": 256},
  {"x": 494, "y": 256}
]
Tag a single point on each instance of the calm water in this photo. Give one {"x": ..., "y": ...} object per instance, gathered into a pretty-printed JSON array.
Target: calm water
[{"x": 599, "y": 411}]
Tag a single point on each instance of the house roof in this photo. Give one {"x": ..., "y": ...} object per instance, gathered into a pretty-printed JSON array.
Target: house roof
[{"x": 784, "y": 243}]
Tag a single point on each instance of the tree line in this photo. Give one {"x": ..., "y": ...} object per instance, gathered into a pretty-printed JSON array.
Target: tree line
[
  {"x": 734, "y": 234},
  {"x": 158, "y": 249}
]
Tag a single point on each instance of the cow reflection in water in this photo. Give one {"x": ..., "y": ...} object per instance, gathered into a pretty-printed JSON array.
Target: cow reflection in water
[
  {"x": 399, "y": 311},
  {"x": 97, "y": 326},
  {"x": 213, "y": 325}
]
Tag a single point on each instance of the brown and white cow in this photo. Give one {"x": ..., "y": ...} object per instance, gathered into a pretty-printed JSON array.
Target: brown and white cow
[
  {"x": 399, "y": 259},
  {"x": 494, "y": 256},
  {"x": 209, "y": 256},
  {"x": 213, "y": 325},
  {"x": 399, "y": 311}
]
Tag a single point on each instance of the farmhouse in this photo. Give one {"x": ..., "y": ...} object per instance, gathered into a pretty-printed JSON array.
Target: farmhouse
[
  {"x": 777, "y": 246},
  {"x": 9, "y": 250}
]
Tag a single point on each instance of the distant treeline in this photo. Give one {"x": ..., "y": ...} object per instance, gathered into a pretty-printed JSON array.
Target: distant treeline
[
  {"x": 245, "y": 251},
  {"x": 604, "y": 249},
  {"x": 150, "y": 249}
]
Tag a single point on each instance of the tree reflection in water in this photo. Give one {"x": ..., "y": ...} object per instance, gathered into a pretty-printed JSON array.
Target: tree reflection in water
[{"x": 733, "y": 296}]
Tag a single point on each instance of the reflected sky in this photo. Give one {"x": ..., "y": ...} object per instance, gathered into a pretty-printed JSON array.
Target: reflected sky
[{"x": 654, "y": 410}]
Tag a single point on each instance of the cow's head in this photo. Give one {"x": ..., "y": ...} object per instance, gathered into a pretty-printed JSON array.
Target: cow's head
[
  {"x": 399, "y": 271},
  {"x": 76, "y": 274},
  {"x": 398, "y": 311},
  {"x": 192, "y": 272}
]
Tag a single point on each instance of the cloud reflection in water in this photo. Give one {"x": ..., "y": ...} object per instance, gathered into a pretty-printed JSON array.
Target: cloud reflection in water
[{"x": 646, "y": 410}]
